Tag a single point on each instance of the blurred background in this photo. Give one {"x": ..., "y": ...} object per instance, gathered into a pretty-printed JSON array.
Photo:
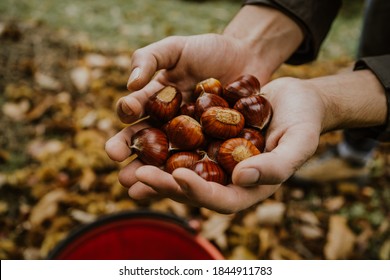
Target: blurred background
[{"x": 63, "y": 65}]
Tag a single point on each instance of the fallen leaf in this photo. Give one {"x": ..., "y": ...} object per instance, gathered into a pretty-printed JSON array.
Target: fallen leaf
[
  {"x": 311, "y": 231},
  {"x": 47, "y": 82},
  {"x": 384, "y": 252},
  {"x": 47, "y": 207},
  {"x": 282, "y": 253},
  {"x": 242, "y": 253},
  {"x": 16, "y": 110},
  {"x": 215, "y": 228},
  {"x": 340, "y": 239},
  {"x": 270, "y": 213},
  {"x": 334, "y": 203},
  {"x": 80, "y": 77}
]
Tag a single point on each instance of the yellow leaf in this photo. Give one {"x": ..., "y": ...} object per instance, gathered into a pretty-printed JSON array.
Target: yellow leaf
[{"x": 340, "y": 239}]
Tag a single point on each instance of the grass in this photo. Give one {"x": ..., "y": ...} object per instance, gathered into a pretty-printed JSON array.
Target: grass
[
  {"x": 130, "y": 24},
  {"x": 124, "y": 24}
]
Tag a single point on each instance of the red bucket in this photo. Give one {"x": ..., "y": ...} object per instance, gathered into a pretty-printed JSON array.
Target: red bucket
[{"x": 136, "y": 236}]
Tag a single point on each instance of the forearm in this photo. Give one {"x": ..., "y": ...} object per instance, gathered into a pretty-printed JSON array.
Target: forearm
[
  {"x": 355, "y": 99},
  {"x": 269, "y": 35}
]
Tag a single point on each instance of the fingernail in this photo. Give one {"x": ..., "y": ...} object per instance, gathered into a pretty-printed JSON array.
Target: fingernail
[
  {"x": 124, "y": 109},
  {"x": 134, "y": 75},
  {"x": 248, "y": 176}
]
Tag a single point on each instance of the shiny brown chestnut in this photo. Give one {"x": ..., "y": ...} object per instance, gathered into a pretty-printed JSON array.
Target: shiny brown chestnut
[
  {"x": 210, "y": 170},
  {"x": 210, "y": 85},
  {"x": 256, "y": 109},
  {"x": 184, "y": 133},
  {"x": 222, "y": 123},
  {"x": 207, "y": 100},
  {"x": 255, "y": 136},
  {"x": 151, "y": 146},
  {"x": 188, "y": 109},
  {"x": 213, "y": 148},
  {"x": 234, "y": 150},
  {"x": 245, "y": 85},
  {"x": 164, "y": 104},
  {"x": 184, "y": 159}
]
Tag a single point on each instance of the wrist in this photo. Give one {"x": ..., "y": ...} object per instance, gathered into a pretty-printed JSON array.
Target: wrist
[
  {"x": 268, "y": 35},
  {"x": 351, "y": 100}
]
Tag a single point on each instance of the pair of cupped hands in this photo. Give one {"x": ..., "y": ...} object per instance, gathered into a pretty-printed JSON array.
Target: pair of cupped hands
[{"x": 291, "y": 138}]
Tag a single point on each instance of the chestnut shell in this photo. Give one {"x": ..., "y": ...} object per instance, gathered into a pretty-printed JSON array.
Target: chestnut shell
[
  {"x": 255, "y": 136},
  {"x": 151, "y": 146},
  {"x": 245, "y": 85},
  {"x": 210, "y": 85},
  {"x": 184, "y": 159},
  {"x": 164, "y": 105},
  {"x": 256, "y": 110},
  {"x": 210, "y": 170},
  {"x": 207, "y": 100},
  {"x": 222, "y": 123},
  {"x": 234, "y": 150},
  {"x": 184, "y": 133}
]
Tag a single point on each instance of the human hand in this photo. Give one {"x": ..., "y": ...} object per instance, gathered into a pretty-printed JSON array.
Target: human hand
[{"x": 292, "y": 138}]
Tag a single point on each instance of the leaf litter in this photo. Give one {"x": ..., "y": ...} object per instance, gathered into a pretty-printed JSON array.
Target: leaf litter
[{"x": 58, "y": 109}]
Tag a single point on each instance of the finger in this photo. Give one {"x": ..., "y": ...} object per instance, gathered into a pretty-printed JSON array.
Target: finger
[
  {"x": 276, "y": 166},
  {"x": 140, "y": 191},
  {"x": 118, "y": 146},
  {"x": 146, "y": 61},
  {"x": 165, "y": 186},
  {"x": 130, "y": 108},
  {"x": 223, "y": 199}
]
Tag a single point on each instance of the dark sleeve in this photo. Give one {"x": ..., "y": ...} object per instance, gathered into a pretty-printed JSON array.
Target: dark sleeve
[
  {"x": 380, "y": 66},
  {"x": 315, "y": 18}
]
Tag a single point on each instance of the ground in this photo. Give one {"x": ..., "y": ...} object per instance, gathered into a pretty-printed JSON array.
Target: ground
[{"x": 60, "y": 79}]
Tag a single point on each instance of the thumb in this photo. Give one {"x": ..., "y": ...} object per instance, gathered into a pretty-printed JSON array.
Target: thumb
[
  {"x": 276, "y": 166},
  {"x": 146, "y": 61}
]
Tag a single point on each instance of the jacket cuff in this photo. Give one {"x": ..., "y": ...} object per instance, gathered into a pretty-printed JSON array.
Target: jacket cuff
[
  {"x": 380, "y": 66},
  {"x": 313, "y": 16}
]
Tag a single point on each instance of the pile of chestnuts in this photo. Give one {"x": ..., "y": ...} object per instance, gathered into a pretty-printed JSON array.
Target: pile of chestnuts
[{"x": 222, "y": 126}]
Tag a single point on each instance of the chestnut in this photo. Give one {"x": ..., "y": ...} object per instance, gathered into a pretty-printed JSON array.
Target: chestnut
[
  {"x": 184, "y": 133},
  {"x": 220, "y": 122},
  {"x": 164, "y": 105},
  {"x": 255, "y": 136},
  {"x": 188, "y": 109},
  {"x": 245, "y": 85},
  {"x": 213, "y": 148},
  {"x": 207, "y": 100},
  {"x": 256, "y": 110},
  {"x": 181, "y": 159},
  {"x": 210, "y": 85},
  {"x": 210, "y": 170},
  {"x": 234, "y": 150},
  {"x": 151, "y": 146}
]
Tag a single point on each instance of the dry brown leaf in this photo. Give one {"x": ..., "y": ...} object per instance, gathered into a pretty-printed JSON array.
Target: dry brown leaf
[
  {"x": 47, "y": 82},
  {"x": 384, "y": 251},
  {"x": 16, "y": 110},
  {"x": 311, "y": 231},
  {"x": 340, "y": 239},
  {"x": 42, "y": 150},
  {"x": 88, "y": 179},
  {"x": 80, "y": 77},
  {"x": 82, "y": 216},
  {"x": 97, "y": 60},
  {"x": 268, "y": 239},
  {"x": 334, "y": 203},
  {"x": 242, "y": 253},
  {"x": 47, "y": 207},
  {"x": 270, "y": 213},
  {"x": 282, "y": 253},
  {"x": 40, "y": 108},
  {"x": 215, "y": 228}
]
